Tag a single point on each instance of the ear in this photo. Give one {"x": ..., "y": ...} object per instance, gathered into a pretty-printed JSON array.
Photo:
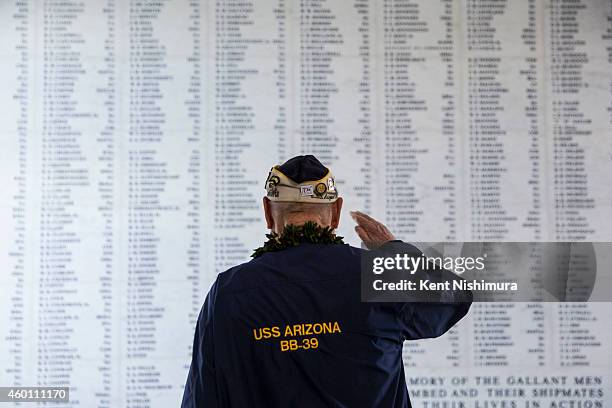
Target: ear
[
  {"x": 268, "y": 213},
  {"x": 336, "y": 209}
]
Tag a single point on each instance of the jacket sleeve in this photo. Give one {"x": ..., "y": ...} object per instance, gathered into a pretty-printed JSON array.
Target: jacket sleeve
[
  {"x": 441, "y": 310},
  {"x": 201, "y": 386}
]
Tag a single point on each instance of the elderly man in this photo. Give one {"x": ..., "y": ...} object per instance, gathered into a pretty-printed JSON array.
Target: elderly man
[{"x": 288, "y": 329}]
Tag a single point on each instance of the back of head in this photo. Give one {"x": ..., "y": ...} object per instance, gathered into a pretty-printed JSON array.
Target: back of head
[
  {"x": 296, "y": 213},
  {"x": 301, "y": 189}
]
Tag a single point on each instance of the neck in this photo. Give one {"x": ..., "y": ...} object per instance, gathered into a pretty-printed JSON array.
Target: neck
[
  {"x": 298, "y": 222},
  {"x": 293, "y": 235}
]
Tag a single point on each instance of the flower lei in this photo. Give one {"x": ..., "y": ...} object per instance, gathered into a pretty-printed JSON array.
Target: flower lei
[{"x": 293, "y": 235}]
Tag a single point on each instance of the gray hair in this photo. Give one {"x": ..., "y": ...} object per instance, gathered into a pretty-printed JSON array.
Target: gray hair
[{"x": 289, "y": 207}]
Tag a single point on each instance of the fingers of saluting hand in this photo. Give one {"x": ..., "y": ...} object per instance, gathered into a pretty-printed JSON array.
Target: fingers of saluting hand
[
  {"x": 371, "y": 232},
  {"x": 362, "y": 218},
  {"x": 363, "y": 234}
]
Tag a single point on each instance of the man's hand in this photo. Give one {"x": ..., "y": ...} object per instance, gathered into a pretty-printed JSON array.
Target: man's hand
[{"x": 372, "y": 233}]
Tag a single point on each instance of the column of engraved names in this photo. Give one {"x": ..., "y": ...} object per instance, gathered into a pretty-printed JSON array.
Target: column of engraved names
[
  {"x": 320, "y": 42},
  {"x": 577, "y": 121},
  {"x": 492, "y": 127},
  {"x": 419, "y": 119},
  {"x": 194, "y": 103},
  {"x": 334, "y": 97},
  {"x": 363, "y": 140},
  {"x": 15, "y": 27},
  {"x": 152, "y": 160},
  {"x": 250, "y": 119},
  {"x": 284, "y": 142},
  {"x": 420, "y": 139},
  {"x": 76, "y": 199},
  {"x": 107, "y": 205},
  {"x": 503, "y": 160},
  {"x": 570, "y": 124}
]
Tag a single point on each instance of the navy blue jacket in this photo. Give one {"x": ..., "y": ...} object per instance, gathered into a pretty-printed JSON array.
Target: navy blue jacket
[{"x": 288, "y": 329}]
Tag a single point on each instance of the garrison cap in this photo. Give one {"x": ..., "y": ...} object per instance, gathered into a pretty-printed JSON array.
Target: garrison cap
[{"x": 301, "y": 179}]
